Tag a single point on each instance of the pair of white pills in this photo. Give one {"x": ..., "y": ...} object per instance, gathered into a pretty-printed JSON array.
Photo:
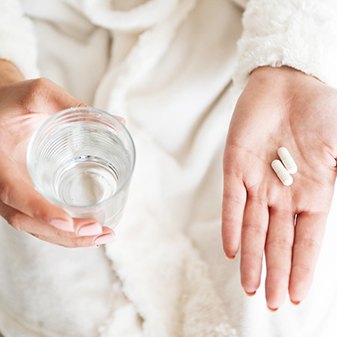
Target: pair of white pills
[{"x": 284, "y": 167}]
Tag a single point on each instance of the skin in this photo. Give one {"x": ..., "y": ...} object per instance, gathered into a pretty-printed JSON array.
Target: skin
[
  {"x": 279, "y": 107},
  {"x": 23, "y": 106}
]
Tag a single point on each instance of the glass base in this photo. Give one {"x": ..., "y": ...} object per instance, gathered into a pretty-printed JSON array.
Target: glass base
[{"x": 86, "y": 181}]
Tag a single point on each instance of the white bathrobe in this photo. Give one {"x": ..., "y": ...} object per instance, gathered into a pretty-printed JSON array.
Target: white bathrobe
[{"x": 167, "y": 66}]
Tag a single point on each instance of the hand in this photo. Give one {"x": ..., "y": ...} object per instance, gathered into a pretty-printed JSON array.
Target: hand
[
  {"x": 279, "y": 107},
  {"x": 23, "y": 104}
]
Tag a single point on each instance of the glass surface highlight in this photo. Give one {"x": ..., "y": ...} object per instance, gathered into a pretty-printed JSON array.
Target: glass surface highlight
[{"x": 82, "y": 159}]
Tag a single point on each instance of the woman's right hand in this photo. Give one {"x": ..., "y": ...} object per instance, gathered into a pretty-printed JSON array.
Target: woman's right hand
[{"x": 23, "y": 105}]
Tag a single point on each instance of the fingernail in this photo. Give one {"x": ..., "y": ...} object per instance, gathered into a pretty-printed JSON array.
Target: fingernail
[
  {"x": 230, "y": 257},
  {"x": 62, "y": 224},
  {"x": 121, "y": 119},
  {"x": 250, "y": 293},
  {"x": 89, "y": 229},
  {"x": 295, "y": 302},
  {"x": 272, "y": 309},
  {"x": 103, "y": 239}
]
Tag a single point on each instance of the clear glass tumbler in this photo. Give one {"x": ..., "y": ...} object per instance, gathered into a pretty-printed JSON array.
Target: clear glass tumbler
[{"x": 82, "y": 159}]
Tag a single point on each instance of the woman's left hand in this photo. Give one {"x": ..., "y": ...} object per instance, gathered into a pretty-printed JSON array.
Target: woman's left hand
[{"x": 279, "y": 107}]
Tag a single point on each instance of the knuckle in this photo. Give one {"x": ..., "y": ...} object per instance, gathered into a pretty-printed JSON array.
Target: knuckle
[
  {"x": 36, "y": 93},
  {"x": 283, "y": 211},
  {"x": 5, "y": 193},
  {"x": 282, "y": 272},
  {"x": 282, "y": 244},
  {"x": 254, "y": 228},
  {"x": 38, "y": 212},
  {"x": 257, "y": 199},
  {"x": 15, "y": 221},
  {"x": 40, "y": 84},
  {"x": 308, "y": 244}
]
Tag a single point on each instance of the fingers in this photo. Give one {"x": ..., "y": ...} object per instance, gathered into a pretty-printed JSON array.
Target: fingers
[
  {"x": 254, "y": 229},
  {"x": 278, "y": 252},
  {"x": 86, "y": 234},
  {"x": 17, "y": 192},
  {"x": 72, "y": 241},
  {"x": 309, "y": 233},
  {"x": 233, "y": 203}
]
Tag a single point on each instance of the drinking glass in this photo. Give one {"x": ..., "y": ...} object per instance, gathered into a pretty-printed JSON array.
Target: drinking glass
[{"x": 82, "y": 159}]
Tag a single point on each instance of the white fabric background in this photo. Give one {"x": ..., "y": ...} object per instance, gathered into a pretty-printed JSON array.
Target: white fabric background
[{"x": 167, "y": 66}]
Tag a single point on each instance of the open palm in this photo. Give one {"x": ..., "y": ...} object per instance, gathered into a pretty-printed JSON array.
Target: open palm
[{"x": 279, "y": 107}]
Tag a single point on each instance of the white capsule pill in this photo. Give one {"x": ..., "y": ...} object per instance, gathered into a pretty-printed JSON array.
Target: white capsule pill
[
  {"x": 287, "y": 160},
  {"x": 282, "y": 172}
]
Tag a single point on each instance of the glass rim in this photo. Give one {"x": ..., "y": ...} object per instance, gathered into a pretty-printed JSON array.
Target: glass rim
[{"x": 53, "y": 118}]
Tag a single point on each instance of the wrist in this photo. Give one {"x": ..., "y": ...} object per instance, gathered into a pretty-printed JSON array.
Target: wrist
[
  {"x": 282, "y": 82},
  {"x": 280, "y": 75},
  {"x": 9, "y": 73}
]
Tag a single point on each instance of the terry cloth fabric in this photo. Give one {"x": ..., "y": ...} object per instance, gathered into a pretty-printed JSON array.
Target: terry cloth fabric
[{"x": 167, "y": 66}]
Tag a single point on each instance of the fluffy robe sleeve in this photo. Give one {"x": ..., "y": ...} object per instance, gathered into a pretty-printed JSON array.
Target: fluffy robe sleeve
[
  {"x": 298, "y": 33},
  {"x": 17, "y": 39}
]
